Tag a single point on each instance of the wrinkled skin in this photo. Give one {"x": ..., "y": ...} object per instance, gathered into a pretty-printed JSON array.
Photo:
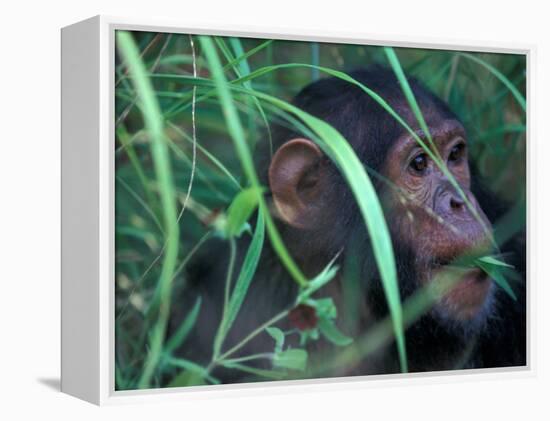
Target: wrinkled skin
[{"x": 423, "y": 201}]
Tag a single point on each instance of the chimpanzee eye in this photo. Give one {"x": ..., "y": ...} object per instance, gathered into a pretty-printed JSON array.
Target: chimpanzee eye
[
  {"x": 419, "y": 163},
  {"x": 456, "y": 152}
]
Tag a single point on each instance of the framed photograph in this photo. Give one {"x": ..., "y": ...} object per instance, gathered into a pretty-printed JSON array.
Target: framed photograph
[{"x": 245, "y": 209}]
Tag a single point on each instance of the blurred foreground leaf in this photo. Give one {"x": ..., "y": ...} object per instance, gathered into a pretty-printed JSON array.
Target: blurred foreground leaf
[
  {"x": 240, "y": 210},
  {"x": 294, "y": 359},
  {"x": 493, "y": 268}
]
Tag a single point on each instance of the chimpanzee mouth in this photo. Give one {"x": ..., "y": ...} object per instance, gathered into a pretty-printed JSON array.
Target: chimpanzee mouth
[
  {"x": 464, "y": 288},
  {"x": 465, "y": 261}
]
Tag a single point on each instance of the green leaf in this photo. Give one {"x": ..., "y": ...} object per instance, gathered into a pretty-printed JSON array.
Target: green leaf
[
  {"x": 324, "y": 307},
  {"x": 242, "y": 66},
  {"x": 239, "y": 211},
  {"x": 493, "y": 261},
  {"x": 248, "y": 269},
  {"x": 314, "y": 334},
  {"x": 495, "y": 272},
  {"x": 294, "y": 359},
  {"x": 279, "y": 337},
  {"x": 323, "y": 278},
  {"x": 187, "y": 378},
  {"x": 183, "y": 330},
  {"x": 192, "y": 367},
  {"x": 306, "y": 335},
  {"x": 405, "y": 87},
  {"x": 249, "y": 53},
  {"x": 330, "y": 331}
]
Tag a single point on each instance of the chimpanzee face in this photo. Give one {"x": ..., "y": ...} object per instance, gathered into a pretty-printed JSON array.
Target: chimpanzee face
[{"x": 429, "y": 215}]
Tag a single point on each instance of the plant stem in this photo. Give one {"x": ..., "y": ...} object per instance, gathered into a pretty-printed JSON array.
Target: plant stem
[
  {"x": 251, "y": 336},
  {"x": 250, "y": 358}
]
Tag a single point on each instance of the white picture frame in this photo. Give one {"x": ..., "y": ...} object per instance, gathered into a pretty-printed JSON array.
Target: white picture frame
[{"x": 88, "y": 214}]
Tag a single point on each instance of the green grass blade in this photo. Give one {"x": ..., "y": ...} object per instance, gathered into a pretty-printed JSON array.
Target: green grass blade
[
  {"x": 270, "y": 374},
  {"x": 142, "y": 202},
  {"x": 192, "y": 367},
  {"x": 513, "y": 90},
  {"x": 222, "y": 46},
  {"x": 324, "y": 277},
  {"x": 123, "y": 137},
  {"x": 331, "y": 332},
  {"x": 249, "y": 53},
  {"x": 396, "y": 66},
  {"x": 159, "y": 150},
  {"x": 337, "y": 148},
  {"x": 242, "y": 284},
  {"x": 495, "y": 262},
  {"x": 243, "y": 69},
  {"x": 242, "y": 65},
  {"x": 240, "y": 210},
  {"x": 211, "y": 157},
  {"x": 183, "y": 330},
  {"x": 495, "y": 272},
  {"x": 315, "y": 51},
  {"x": 294, "y": 359}
]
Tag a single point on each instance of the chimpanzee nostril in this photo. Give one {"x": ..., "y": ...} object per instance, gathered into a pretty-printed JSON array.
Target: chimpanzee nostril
[{"x": 456, "y": 203}]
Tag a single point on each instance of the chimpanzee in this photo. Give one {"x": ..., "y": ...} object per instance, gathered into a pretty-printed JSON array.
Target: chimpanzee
[{"x": 475, "y": 325}]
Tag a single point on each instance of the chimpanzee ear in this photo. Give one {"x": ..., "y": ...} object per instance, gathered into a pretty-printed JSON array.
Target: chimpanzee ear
[{"x": 295, "y": 179}]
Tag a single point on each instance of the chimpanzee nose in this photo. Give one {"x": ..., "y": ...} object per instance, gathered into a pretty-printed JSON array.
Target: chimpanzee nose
[
  {"x": 456, "y": 203},
  {"x": 449, "y": 202}
]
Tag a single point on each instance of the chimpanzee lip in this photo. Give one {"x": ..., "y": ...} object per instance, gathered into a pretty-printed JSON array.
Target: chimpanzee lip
[
  {"x": 468, "y": 296},
  {"x": 459, "y": 261},
  {"x": 470, "y": 291},
  {"x": 441, "y": 262},
  {"x": 467, "y": 270},
  {"x": 450, "y": 263}
]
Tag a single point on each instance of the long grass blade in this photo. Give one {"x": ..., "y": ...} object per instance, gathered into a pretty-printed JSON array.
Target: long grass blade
[
  {"x": 242, "y": 284},
  {"x": 161, "y": 160},
  {"x": 183, "y": 330}
]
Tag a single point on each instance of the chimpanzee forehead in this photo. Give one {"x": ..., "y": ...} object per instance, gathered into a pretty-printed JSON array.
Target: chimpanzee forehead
[
  {"x": 440, "y": 130},
  {"x": 442, "y": 134}
]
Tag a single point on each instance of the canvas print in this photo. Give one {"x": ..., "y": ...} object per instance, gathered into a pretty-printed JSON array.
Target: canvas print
[{"x": 291, "y": 210}]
